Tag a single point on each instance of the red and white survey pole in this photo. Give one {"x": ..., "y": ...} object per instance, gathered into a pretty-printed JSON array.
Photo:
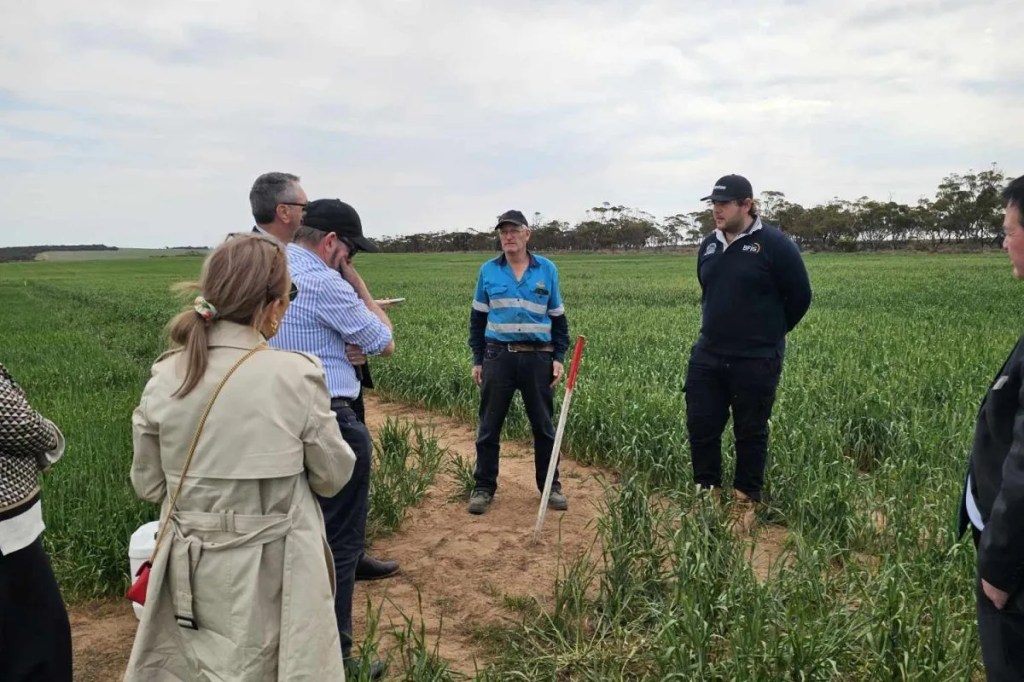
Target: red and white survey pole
[{"x": 556, "y": 449}]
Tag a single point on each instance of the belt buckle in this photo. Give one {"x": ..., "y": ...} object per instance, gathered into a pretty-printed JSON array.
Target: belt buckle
[
  {"x": 186, "y": 622},
  {"x": 510, "y": 348}
]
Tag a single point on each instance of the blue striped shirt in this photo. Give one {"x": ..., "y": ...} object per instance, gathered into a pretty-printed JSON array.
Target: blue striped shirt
[
  {"x": 326, "y": 315},
  {"x": 518, "y": 311}
]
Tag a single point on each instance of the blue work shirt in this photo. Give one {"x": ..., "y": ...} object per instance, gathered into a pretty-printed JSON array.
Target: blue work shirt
[{"x": 519, "y": 310}]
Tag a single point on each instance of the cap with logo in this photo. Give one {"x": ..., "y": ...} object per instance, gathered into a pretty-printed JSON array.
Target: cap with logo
[
  {"x": 513, "y": 218},
  {"x": 334, "y": 215},
  {"x": 731, "y": 188}
]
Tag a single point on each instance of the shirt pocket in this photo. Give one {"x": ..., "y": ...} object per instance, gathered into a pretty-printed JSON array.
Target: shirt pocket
[
  {"x": 495, "y": 290},
  {"x": 538, "y": 295}
]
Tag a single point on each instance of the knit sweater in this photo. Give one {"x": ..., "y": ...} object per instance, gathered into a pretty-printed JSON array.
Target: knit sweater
[{"x": 25, "y": 439}]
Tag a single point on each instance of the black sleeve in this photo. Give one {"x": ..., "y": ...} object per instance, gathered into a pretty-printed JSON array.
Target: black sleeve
[
  {"x": 477, "y": 326},
  {"x": 1001, "y": 550},
  {"x": 791, "y": 277},
  {"x": 560, "y": 336}
]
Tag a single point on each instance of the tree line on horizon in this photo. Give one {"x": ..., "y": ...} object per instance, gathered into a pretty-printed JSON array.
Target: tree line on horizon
[{"x": 965, "y": 211}]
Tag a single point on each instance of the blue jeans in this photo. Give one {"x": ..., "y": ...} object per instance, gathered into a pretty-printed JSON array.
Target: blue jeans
[
  {"x": 345, "y": 521},
  {"x": 504, "y": 373},
  {"x": 714, "y": 384}
]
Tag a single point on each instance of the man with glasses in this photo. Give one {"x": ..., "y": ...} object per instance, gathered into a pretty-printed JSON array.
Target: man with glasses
[
  {"x": 278, "y": 203},
  {"x": 519, "y": 334},
  {"x": 335, "y": 311},
  {"x": 992, "y": 504}
]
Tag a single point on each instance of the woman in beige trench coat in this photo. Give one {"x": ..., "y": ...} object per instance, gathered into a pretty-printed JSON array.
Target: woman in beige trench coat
[{"x": 241, "y": 587}]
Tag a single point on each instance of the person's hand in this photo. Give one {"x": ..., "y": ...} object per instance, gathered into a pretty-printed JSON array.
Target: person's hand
[
  {"x": 478, "y": 374},
  {"x": 355, "y": 354},
  {"x": 995, "y": 595},
  {"x": 557, "y": 370},
  {"x": 348, "y": 270}
]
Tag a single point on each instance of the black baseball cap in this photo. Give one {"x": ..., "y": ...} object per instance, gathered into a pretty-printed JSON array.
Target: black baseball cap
[
  {"x": 513, "y": 217},
  {"x": 334, "y": 215},
  {"x": 731, "y": 188}
]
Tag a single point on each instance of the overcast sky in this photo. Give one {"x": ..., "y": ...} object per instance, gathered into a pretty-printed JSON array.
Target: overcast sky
[{"x": 144, "y": 123}]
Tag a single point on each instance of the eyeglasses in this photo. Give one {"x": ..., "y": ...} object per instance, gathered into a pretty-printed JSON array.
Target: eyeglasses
[
  {"x": 350, "y": 245},
  {"x": 294, "y": 203}
]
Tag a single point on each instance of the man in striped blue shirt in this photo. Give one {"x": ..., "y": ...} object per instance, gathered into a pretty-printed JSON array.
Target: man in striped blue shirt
[
  {"x": 519, "y": 334},
  {"x": 336, "y": 319}
]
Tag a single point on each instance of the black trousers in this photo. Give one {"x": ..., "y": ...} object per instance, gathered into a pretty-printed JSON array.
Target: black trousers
[
  {"x": 35, "y": 636},
  {"x": 504, "y": 373},
  {"x": 714, "y": 385},
  {"x": 1001, "y": 632},
  {"x": 345, "y": 521}
]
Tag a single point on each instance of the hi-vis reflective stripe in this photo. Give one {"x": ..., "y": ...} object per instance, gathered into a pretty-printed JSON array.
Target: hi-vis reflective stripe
[
  {"x": 555, "y": 312},
  {"x": 513, "y": 328},
  {"x": 519, "y": 303},
  {"x": 481, "y": 307}
]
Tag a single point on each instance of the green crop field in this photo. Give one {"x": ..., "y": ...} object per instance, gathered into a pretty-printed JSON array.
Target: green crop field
[{"x": 869, "y": 435}]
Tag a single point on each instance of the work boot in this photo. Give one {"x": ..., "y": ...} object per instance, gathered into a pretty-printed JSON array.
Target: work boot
[
  {"x": 362, "y": 669},
  {"x": 369, "y": 568},
  {"x": 558, "y": 501},
  {"x": 742, "y": 513},
  {"x": 479, "y": 501}
]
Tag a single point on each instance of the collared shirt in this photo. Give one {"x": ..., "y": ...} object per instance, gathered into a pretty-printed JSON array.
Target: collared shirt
[
  {"x": 754, "y": 227},
  {"x": 259, "y": 230},
  {"x": 518, "y": 310},
  {"x": 973, "y": 513},
  {"x": 325, "y": 316}
]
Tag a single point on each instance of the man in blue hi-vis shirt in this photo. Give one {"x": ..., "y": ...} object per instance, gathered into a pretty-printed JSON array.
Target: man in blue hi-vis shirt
[{"x": 519, "y": 335}]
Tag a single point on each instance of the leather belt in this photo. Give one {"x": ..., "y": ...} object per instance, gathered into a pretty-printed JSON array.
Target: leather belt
[
  {"x": 337, "y": 403},
  {"x": 524, "y": 347}
]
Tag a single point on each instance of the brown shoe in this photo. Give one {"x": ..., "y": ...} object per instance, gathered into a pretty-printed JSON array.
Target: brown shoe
[{"x": 742, "y": 513}]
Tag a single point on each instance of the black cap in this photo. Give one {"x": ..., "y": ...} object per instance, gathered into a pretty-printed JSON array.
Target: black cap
[
  {"x": 334, "y": 215},
  {"x": 514, "y": 217},
  {"x": 731, "y": 188}
]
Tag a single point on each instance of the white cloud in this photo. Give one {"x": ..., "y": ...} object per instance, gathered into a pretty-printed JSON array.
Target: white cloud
[{"x": 144, "y": 123}]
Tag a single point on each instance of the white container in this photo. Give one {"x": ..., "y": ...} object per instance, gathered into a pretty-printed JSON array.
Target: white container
[{"x": 139, "y": 550}]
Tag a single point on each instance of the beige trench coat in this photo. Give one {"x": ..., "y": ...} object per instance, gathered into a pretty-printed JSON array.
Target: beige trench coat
[{"x": 244, "y": 558}]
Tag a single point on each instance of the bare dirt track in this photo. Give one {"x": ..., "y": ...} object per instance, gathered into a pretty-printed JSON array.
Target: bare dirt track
[{"x": 459, "y": 572}]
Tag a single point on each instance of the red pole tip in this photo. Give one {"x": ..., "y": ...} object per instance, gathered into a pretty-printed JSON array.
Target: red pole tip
[{"x": 574, "y": 368}]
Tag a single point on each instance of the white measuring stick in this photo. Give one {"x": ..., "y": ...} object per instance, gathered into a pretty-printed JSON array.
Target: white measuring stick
[{"x": 556, "y": 448}]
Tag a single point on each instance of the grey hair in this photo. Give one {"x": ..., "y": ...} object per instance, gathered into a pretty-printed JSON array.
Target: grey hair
[
  {"x": 269, "y": 190},
  {"x": 310, "y": 236}
]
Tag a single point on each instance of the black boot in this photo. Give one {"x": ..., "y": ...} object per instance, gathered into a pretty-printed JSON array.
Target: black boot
[{"x": 369, "y": 568}]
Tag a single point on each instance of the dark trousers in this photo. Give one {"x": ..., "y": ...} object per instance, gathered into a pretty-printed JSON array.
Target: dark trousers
[
  {"x": 1001, "y": 633},
  {"x": 359, "y": 407},
  {"x": 505, "y": 372},
  {"x": 345, "y": 521},
  {"x": 714, "y": 385},
  {"x": 35, "y": 636}
]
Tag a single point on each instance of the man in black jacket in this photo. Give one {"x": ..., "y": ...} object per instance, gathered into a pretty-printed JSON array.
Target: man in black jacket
[
  {"x": 754, "y": 290},
  {"x": 992, "y": 504}
]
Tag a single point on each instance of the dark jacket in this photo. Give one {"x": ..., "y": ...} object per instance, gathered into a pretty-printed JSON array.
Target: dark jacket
[
  {"x": 996, "y": 469},
  {"x": 752, "y": 292}
]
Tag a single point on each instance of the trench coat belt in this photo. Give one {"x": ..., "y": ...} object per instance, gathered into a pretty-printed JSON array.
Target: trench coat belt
[{"x": 186, "y": 549}]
